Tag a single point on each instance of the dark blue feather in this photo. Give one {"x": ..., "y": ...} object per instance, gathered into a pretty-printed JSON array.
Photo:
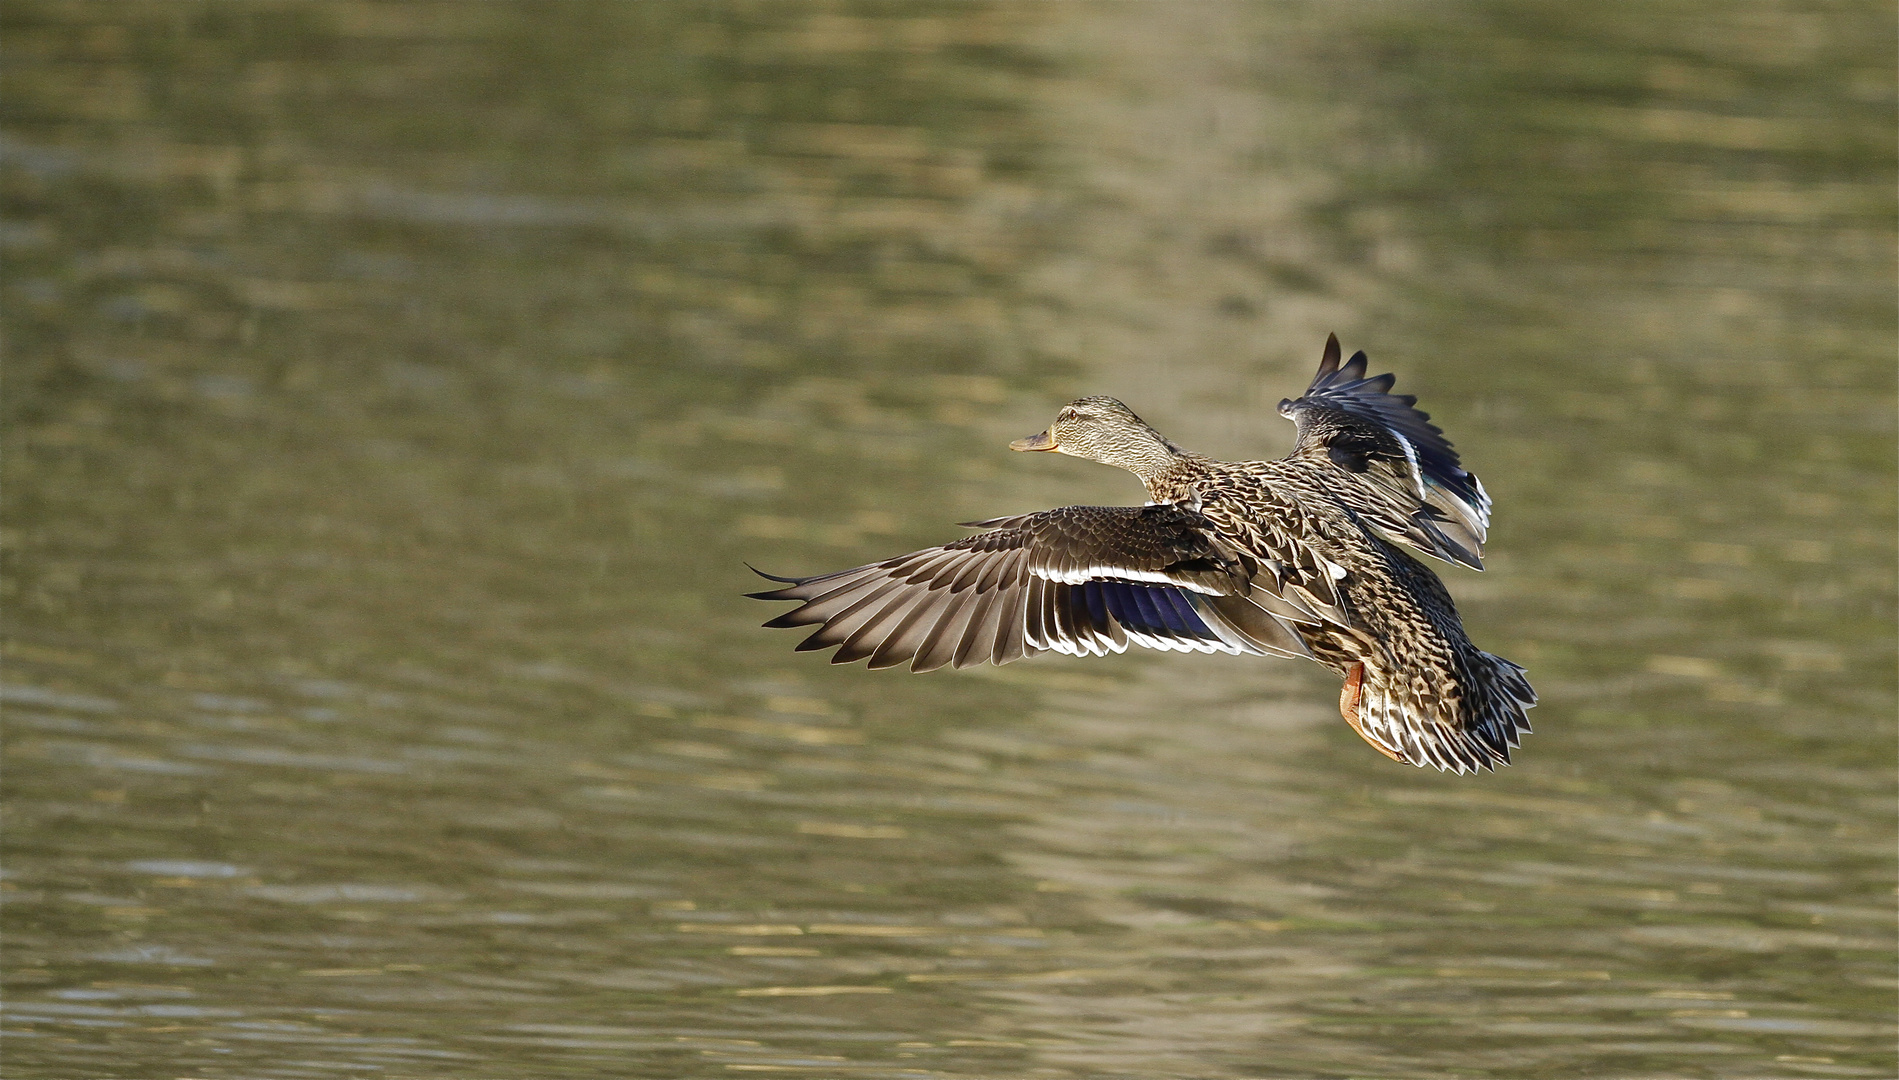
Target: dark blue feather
[
  {"x": 1344, "y": 389},
  {"x": 1161, "y": 611},
  {"x": 1150, "y": 614},
  {"x": 1190, "y": 620},
  {"x": 1164, "y": 607}
]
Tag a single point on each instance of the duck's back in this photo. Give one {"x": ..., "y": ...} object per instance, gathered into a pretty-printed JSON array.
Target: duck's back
[{"x": 1428, "y": 696}]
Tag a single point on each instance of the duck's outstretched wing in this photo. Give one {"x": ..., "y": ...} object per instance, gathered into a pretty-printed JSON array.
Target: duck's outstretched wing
[
  {"x": 1414, "y": 486},
  {"x": 1080, "y": 580}
]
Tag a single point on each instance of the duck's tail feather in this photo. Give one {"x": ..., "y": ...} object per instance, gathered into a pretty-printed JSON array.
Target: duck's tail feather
[{"x": 1463, "y": 728}]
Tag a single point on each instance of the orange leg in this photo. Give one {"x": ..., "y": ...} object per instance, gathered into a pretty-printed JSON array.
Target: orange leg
[{"x": 1349, "y": 696}]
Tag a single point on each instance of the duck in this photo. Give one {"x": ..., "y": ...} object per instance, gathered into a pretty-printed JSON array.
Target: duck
[{"x": 1309, "y": 556}]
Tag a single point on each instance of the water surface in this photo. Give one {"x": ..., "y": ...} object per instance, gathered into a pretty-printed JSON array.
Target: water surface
[{"x": 394, "y": 392}]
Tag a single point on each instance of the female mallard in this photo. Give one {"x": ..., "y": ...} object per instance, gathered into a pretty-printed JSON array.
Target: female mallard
[{"x": 1295, "y": 557}]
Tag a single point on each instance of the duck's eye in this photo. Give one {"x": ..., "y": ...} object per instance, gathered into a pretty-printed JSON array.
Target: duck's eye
[{"x": 1067, "y": 414}]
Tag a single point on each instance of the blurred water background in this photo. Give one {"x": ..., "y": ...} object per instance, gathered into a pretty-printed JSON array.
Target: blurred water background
[{"x": 393, "y": 390}]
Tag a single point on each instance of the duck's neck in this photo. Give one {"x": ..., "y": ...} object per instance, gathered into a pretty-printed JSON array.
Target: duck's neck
[
  {"x": 1146, "y": 453},
  {"x": 1171, "y": 478}
]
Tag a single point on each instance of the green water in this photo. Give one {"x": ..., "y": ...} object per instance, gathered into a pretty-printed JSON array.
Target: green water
[{"x": 393, "y": 393}]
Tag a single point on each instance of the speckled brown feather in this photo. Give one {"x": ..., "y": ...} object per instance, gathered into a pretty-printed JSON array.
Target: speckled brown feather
[{"x": 1429, "y": 696}]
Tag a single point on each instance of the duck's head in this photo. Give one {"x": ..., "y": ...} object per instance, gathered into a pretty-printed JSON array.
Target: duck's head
[{"x": 1102, "y": 429}]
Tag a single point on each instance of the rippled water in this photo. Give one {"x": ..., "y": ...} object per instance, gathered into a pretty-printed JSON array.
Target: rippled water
[{"x": 393, "y": 393}]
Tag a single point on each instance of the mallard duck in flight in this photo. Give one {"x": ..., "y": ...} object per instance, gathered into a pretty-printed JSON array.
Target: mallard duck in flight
[{"x": 1295, "y": 557}]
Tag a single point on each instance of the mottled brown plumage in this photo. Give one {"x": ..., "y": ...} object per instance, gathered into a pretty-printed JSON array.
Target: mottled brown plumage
[{"x": 1296, "y": 557}]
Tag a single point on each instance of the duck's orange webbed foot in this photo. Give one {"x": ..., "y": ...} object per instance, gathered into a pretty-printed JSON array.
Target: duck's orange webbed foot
[{"x": 1350, "y": 696}]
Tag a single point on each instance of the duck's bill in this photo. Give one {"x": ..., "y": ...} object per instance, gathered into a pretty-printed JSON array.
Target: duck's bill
[{"x": 1034, "y": 442}]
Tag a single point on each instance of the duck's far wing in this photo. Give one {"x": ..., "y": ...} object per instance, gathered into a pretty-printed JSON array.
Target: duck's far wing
[
  {"x": 1083, "y": 580},
  {"x": 1362, "y": 427}
]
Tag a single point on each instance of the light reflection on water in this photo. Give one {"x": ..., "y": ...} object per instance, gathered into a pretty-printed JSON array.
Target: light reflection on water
[{"x": 395, "y": 392}]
